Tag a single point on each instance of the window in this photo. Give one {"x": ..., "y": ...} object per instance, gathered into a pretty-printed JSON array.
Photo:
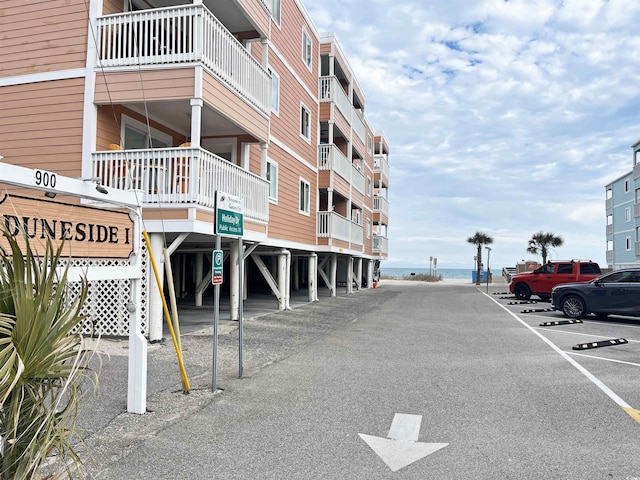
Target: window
[
  {"x": 272, "y": 178},
  {"x": 369, "y": 143},
  {"x": 307, "y": 49},
  {"x": 223, "y": 147},
  {"x": 275, "y": 91},
  {"x": 565, "y": 268},
  {"x": 627, "y": 214},
  {"x": 305, "y": 122},
  {"x": 369, "y": 186},
  {"x": 137, "y": 135},
  {"x": 626, "y": 186},
  {"x": 637, "y": 234},
  {"x": 368, "y": 228},
  {"x": 276, "y": 11},
  {"x": 627, "y": 243},
  {"x": 304, "y": 196}
]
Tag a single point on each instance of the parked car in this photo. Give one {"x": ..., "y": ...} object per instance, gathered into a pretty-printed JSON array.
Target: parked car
[
  {"x": 540, "y": 281},
  {"x": 616, "y": 293}
]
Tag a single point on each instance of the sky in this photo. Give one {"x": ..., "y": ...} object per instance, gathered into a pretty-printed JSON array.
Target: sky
[{"x": 506, "y": 117}]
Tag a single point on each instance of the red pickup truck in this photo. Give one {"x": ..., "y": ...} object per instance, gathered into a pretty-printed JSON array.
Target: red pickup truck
[{"x": 540, "y": 281}]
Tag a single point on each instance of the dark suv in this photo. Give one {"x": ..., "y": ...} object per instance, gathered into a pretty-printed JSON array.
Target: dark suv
[{"x": 616, "y": 293}]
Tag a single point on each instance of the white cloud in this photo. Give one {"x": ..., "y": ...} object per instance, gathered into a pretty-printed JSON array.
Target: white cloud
[{"x": 507, "y": 117}]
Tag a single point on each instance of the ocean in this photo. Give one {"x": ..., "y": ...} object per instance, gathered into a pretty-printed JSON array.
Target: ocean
[{"x": 453, "y": 273}]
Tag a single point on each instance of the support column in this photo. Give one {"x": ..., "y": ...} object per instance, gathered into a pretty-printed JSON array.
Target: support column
[
  {"x": 156, "y": 311},
  {"x": 199, "y": 268},
  {"x": 263, "y": 159},
  {"x": 312, "y": 277},
  {"x": 334, "y": 273},
  {"x": 330, "y": 199},
  {"x": 349, "y": 274},
  {"x": 369, "y": 273},
  {"x": 196, "y": 121},
  {"x": 234, "y": 280},
  {"x": 359, "y": 273},
  {"x": 282, "y": 280}
]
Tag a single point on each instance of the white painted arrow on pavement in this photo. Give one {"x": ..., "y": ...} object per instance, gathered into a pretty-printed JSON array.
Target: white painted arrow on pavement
[{"x": 401, "y": 447}]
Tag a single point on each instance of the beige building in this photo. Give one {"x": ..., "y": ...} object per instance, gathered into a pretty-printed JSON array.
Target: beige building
[{"x": 179, "y": 101}]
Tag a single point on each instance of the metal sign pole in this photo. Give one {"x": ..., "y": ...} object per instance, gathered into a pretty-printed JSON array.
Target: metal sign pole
[
  {"x": 216, "y": 321},
  {"x": 240, "y": 305}
]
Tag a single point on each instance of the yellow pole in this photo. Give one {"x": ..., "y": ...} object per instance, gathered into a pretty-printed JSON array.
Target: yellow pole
[{"x": 183, "y": 373}]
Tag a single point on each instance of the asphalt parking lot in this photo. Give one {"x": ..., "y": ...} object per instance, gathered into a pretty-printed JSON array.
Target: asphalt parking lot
[{"x": 607, "y": 351}]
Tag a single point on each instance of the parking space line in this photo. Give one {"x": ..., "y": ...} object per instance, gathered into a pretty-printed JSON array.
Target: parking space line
[
  {"x": 632, "y": 412},
  {"x": 603, "y": 358},
  {"x": 577, "y": 333}
]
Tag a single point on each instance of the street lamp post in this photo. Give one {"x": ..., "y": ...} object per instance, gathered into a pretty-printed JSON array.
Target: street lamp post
[{"x": 488, "y": 269}]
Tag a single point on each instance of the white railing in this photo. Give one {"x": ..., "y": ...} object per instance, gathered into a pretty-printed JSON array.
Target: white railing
[
  {"x": 331, "y": 158},
  {"x": 183, "y": 34},
  {"x": 381, "y": 165},
  {"x": 381, "y": 205},
  {"x": 380, "y": 244},
  {"x": 333, "y": 225},
  {"x": 331, "y": 91},
  {"x": 182, "y": 175},
  {"x": 358, "y": 125},
  {"x": 357, "y": 179}
]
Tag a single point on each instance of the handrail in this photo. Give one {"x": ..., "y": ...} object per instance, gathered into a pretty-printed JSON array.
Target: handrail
[
  {"x": 182, "y": 175},
  {"x": 179, "y": 35}
]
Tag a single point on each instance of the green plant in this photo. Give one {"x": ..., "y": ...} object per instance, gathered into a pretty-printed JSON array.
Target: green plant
[
  {"x": 541, "y": 242},
  {"x": 43, "y": 365},
  {"x": 479, "y": 239}
]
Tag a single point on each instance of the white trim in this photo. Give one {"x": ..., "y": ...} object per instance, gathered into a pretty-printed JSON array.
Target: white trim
[
  {"x": 300, "y": 159},
  {"x": 273, "y": 200},
  {"x": 313, "y": 95},
  {"x": 302, "y": 135},
  {"x": 143, "y": 128},
  {"x": 308, "y": 184},
  {"x": 44, "y": 76},
  {"x": 306, "y": 38}
]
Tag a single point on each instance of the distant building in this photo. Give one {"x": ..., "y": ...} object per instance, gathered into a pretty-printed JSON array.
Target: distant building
[
  {"x": 623, "y": 217},
  {"x": 180, "y": 100}
]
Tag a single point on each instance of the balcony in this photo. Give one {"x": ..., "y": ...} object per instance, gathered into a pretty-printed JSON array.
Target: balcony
[
  {"x": 381, "y": 169},
  {"x": 380, "y": 245},
  {"x": 334, "y": 226},
  {"x": 181, "y": 176},
  {"x": 380, "y": 205},
  {"x": 636, "y": 171},
  {"x": 330, "y": 158},
  {"x": 609, "y": 229},
  {"x": 181, "y": 36},
  {"x": 331, "y": 91}
]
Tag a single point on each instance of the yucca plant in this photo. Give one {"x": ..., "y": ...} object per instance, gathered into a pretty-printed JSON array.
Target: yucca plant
[{"x": 43, "y": 365}]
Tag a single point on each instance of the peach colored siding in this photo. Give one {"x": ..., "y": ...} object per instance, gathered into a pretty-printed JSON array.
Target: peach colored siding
[
  {"x": 257, "y": 14},
  {"x": 285, "y": 221},
  {"x": 47, "y": 118},
  {"x": 42, "y": 36},
  {"x": 234, "y": 108},
  {"x": 151, "y": 86}
]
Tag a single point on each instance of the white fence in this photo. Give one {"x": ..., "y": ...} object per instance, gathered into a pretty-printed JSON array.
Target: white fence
[
  {"x": 183, "y": 34},
  {"x": 182, "y": 175}
]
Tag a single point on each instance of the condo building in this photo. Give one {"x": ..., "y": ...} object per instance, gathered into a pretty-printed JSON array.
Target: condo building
[
  {"x": 193, "y": 104},
  {"x": 623, "y": 217}
]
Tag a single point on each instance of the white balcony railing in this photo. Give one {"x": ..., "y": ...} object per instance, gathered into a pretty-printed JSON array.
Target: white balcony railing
[
  {"x": 380, "y": 244},
  {"x": 380, "y": 205},
  {"x": 182, "y": 175},
  {"x": 357, "y": 179},
  {"x": 334, "y": 225},
  {"x": 331, "y": 158},
  {"x": 331, "y": 91},
  {"x": 179, "y": 35},
  {"x": 381, "y": 165},
  {"x": 358, "y": 125}
]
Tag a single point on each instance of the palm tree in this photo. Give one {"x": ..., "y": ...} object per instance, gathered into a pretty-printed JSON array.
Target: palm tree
[
  {"x": 479, "y": 239},
  {"x": 541, "y": 242},
  {"x": 43, "y": 364}
]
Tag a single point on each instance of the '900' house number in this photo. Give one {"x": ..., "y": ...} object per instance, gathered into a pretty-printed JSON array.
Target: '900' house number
[{"x": 45, "y": 179}]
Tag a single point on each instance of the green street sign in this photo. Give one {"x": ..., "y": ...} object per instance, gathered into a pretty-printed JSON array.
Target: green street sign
[
  {"x": 216, "y": 269},
  {"x": 229, "y": 215}
]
